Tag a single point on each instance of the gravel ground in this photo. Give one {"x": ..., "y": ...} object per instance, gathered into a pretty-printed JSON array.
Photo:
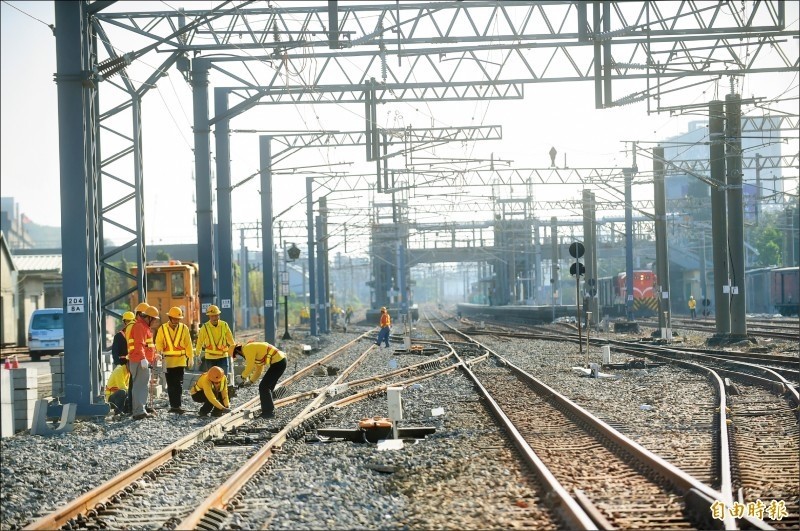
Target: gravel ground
[
  {"x": 37, "y": 474},
  {"x": 461, "y": 477}
]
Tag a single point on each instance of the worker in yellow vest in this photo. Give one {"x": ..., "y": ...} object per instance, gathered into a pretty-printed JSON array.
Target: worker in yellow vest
[
  {"x": 117, "y": 389},
  {"x": 175, "y": 344},
  {"x": 215, "y": 339},
  {"x": 258, "y": 355},
  {"x": 692, "y": 306},
  {"x": 211, "y": 390}
]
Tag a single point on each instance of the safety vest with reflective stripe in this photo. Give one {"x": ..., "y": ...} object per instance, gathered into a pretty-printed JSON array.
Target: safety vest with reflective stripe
[
  {"x": 175, "y": 345},
  {"x": 215, "y": 347},
  {"x": 128, "y": 335}
]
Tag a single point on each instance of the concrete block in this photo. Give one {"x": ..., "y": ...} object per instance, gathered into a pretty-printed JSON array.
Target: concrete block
[
  {"x": 23, "y": 424},
  {"x": 6, "y": 420},
  {"x": 24, "y": 373},
  {"x": 6, "y": 387},
  {"x": 24, "y": 407},
  {"x": 57, "y": 364},
  {"x": 41, "y": 427},
  {"x": 25, "y": 394}
]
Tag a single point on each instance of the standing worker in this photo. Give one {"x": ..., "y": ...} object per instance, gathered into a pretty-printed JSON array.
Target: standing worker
[
  {"x": 386, "y": 328},
  {"x": 216, "y": 338},
  {"x": 119, "y": 347},
  {"x": 692, "y": 306},
  {"x": 140, "y": 358},
  {"x": 256, "y": 356},
  {"x": 117, "y": 390},
  {"x": 175, "y": 344},
  {"x": 211, "y": 389}
]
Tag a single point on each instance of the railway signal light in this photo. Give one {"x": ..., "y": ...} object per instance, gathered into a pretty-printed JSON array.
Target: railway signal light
[
  {"x": 576, "y": 250},
  {"x": 577, "y": 266}
]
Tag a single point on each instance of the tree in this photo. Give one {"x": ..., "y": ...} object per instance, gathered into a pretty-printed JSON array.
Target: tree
[{"x": 767, "y": 238}]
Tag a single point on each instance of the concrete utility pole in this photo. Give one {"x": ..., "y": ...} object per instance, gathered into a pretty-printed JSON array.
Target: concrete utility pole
[
  {"x": 312, "y": 279},
  {"x": 719, "y": 226},
  {"x": 733, "y": 161},
  {"x": 202, "y": 175},
  {"x": 662, "y": 257},
  {"x": 554, "y": 263},
  {"x": 267, "y": 243},
  {"x": 224, "y": 219},
  {"x": 628, "y": 173}
]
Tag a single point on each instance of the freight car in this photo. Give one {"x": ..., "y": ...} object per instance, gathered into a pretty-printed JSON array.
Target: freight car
[
  {"x": 612, "y": 293},
  {"x": 785, "y": 290},
  {"x": 173, "y": 283}
]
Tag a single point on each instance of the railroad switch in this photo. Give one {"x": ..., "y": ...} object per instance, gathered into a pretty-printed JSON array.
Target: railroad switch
[
  {"x": 636, "y": 363},
  {"x": 372, "y": 430},
  {"x": 238, "y": 440}
]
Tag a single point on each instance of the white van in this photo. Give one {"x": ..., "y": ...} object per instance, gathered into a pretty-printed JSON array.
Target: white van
[{"x": 46, "y": 332}]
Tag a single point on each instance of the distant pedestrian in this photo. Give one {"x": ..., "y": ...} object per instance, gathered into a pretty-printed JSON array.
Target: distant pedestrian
[
  {"x": 140, "y": 359},
  {"x": 258, "y": 355},
  {"x": 119, "y": 346},
  {"x": 386, "y": 328},
  {"x": 692, "y": 306},
  {"x": 211, "y": 390},
  {"x": 174, "y": 342},
  {"x": 348, "y": 315},
  {"x": 117, "y": 390},
  {"x": 216, "y": 339}
]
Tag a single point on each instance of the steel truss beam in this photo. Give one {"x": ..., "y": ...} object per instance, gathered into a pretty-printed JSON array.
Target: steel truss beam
[{"x": 661, "y": 42}]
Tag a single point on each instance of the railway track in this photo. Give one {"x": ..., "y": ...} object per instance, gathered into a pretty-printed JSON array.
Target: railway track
[
  {"x": 763, "y": 434},
  {"x": 594, "y": 462},
  {"x": 243, "y": 490}
]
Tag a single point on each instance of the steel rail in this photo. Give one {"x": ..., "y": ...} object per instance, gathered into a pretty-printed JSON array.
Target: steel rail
[
  {"x": 225, "y": 495},
  {"x": 784, "y": 385},
  {"x": 571, "y": 513},
  {"x": 91, "y": 499}
]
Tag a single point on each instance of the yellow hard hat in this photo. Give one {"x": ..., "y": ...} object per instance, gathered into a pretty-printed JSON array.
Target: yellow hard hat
[
  {"x": 152, "y": 311},
  {"x": 213, "y": 310},
  {"x": 141, "y": 307},
  {"x": 128, "y": 316},
  {"x": 383, "y": 309},
  {"x": 215, "y": 374},
  {"x": 175, "y": 312}
]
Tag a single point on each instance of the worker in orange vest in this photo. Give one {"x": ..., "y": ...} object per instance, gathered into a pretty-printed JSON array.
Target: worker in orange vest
[
  {"x": 140, "y": 359},
  {"x": 386, "y": 328}
]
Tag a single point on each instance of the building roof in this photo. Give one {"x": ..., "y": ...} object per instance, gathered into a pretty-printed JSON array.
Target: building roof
[
  {"x": 38, "y": 262},
  {"x": 4, "y": 249}
]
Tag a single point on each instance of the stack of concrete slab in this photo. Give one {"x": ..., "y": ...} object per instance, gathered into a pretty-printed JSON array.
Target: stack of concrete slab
[
  {"x": 57, "y": 376},
  {"x": 26, "y": 393},
  {"x": 6, "y": 403}
]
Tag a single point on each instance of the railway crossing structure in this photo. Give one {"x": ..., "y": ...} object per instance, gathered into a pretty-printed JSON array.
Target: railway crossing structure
[{"x": 634, "y": 49}]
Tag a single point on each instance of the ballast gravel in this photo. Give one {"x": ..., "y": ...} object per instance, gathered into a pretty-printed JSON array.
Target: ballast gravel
[{"x": 462, "y": 477}]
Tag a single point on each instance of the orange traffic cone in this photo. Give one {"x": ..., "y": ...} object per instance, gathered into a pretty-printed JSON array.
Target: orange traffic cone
[
  {"x": 7, "y": 364},
  {"x": 14, "y": 362}
]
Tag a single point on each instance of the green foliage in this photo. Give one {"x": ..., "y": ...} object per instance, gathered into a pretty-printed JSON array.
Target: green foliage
[
  {"x": 162, "y": 255},
  {"x": 767, "y": 238}
]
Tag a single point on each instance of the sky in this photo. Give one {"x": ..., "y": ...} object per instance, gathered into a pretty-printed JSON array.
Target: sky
[{"x": 556, "y": 115}]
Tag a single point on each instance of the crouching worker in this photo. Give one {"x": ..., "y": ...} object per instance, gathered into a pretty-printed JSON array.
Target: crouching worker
[
  {"x": 257, "y": 356},
  {"x": 117, "y": 390},
  {"x": 211, "y": 390}
]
